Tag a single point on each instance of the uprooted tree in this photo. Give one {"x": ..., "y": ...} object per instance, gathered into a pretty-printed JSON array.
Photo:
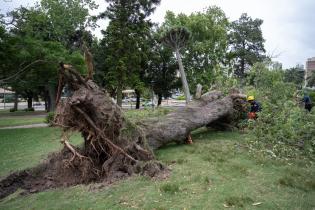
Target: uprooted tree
[{"x": 113, "y": 146}]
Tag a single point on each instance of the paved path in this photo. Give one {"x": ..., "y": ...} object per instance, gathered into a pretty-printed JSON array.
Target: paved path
[{"x": 39, "y": 125}]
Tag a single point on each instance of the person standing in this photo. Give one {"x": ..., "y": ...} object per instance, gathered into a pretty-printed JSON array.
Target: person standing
[
  {"x": 307, "y": 102},
  {"x": 254, "y": 107}
]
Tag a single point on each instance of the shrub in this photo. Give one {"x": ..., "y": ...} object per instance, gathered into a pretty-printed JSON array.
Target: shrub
[
  {"x": 29, "y": 109},
  {"x": 181, "y": 98},
  {"x": 50, "y": 118},
  {"x": 283, "y": 128},
  {"x": 12, "y": 110}
]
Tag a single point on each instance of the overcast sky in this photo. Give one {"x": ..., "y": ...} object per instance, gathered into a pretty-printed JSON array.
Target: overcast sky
[{"x": 289, "y": 25}]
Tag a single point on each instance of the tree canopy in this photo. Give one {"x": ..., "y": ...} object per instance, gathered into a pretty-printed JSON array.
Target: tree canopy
[{"x": 247, "y": 43}]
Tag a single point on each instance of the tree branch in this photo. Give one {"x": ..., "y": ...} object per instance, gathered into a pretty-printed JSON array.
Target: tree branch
[{"x": 21, "y": 71}]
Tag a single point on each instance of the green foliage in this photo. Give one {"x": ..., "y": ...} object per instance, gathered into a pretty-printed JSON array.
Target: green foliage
[
  {"x": 29, "y": 109},
  {"x": 283, "y": 128},
  {"x": 295, "y": 75},
  {"x": 162, "y": 68},
  {"x": 176, "y": 37},
  {"x": 125, "y": 39},
  {"x": 181, "y": 97},
  {"x": 312, "y": 95},
  {"x": 207, "y": 47},
  {"x": 12, "y": 110},
  {"x": 39, "y": 38},
  {"x": 50, "y": 118},
  {"x": 247, "y": 43}
]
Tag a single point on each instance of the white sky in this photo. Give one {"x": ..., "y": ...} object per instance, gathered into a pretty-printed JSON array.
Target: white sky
[{"x": 289, "y": 25}]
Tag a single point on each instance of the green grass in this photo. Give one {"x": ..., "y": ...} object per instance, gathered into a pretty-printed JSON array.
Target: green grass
[
  {"x": 137, "y": 115},
  {"x": 21, "y": 118},
  {"x": 15, "y": 121},
  {"x": 216, "y": 172},
  {"x": 23, "y": 148}
]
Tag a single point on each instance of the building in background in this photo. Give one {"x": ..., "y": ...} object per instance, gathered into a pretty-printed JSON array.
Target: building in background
[{"x": 309, "y": 70}]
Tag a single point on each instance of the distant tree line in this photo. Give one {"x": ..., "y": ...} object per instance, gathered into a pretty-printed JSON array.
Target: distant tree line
[{"x": 133, "y": 53}]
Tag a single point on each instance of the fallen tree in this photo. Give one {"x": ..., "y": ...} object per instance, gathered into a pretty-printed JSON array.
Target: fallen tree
[
  {"x": 213, "y": 109},
  {"x": 113, "y": 146}
]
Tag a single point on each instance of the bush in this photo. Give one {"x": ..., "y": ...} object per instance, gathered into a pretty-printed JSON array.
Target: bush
[
  {"x": 50, "y": 118},
  {"x": 13, "y": 110},
  {"x": 181, "y": 98},
  {"x": 283, "y": 129},
  {"x": 312, "y": 96},
  {"x": 29, "y": 109}
]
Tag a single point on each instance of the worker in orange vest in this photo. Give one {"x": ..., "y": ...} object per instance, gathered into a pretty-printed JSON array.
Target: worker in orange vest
[{"x": 254, "y": 107}]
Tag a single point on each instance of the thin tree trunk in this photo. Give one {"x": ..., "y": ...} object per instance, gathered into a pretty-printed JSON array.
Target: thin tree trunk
[
  {"x": 29, "y": 102},
  {"x": 159, "y": 100},
  {"x": 183, "y": 76},
  {"x": 52, "y": 97},
  {"x": 46, "y": 98},
  {"x": 119, "y": 95},
  {"x": 16, "y": 101},
  {"x": 138, "y": 99}
]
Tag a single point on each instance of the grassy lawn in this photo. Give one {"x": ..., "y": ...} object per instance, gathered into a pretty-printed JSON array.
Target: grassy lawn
[
  {"x": 21, "y": 118},
  {"x": 23, "y": 148},
  {"x": 15, "y": 121},
  {"x": 216, "y": 172}
]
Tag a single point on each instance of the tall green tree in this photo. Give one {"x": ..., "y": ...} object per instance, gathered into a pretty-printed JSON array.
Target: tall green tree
[
  {"x": 205, "y": 53},
  {"x": 246, "y": 43},
  {"x": 176, "y": 38},
  {"x": 161, "y": 72},
  {"x": 295, "y": 75},
  {"x": 45, "y": 41},
  {"x": 125, "y": 38}
]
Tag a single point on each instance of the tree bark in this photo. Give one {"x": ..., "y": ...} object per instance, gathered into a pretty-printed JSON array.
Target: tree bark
[
  {"x": 183, "y": 76},
  {"x": 138, "y": 95},
  {"x": 52, "y": 97},
  {"x": 119, "y": 95},
  {"x": 29, "y": 102},
  {"x": 46, "y": 98},
  {"x": 176, "y": 126},
  {"x": 16, "y": 101},
  {"x": 159, "y": 100}
]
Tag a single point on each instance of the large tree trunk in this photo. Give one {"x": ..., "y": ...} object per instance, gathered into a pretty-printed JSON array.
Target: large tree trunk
[
  {"x": 176, "y": 126},
  {"x": 183, "y": 76}
]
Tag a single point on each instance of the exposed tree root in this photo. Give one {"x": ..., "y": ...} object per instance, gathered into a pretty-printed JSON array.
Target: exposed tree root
[{"x": 113, "y": 147}]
